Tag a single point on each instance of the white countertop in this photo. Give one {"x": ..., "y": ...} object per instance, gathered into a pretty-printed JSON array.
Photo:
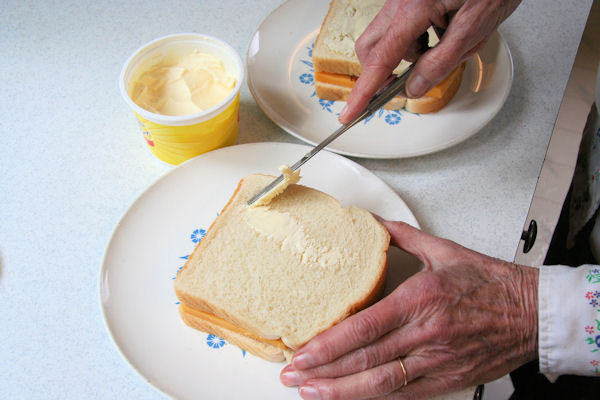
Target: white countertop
[{"x": 72, "y": 161}]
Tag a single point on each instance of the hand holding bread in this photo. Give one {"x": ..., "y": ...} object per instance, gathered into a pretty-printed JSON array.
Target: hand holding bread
[
  {"x": 392, "y": 34},
  {"x": 464, "y": 320}
]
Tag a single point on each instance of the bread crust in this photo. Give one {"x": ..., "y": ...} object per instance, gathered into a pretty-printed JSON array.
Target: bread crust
[{"x": 336, "y": 65}]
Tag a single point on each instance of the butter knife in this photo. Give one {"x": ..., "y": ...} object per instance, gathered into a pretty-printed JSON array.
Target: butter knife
[{"x": 394, "y": 87}]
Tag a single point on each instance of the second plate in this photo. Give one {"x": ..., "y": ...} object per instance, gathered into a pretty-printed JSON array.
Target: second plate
[{"x": 281, "y": 79}]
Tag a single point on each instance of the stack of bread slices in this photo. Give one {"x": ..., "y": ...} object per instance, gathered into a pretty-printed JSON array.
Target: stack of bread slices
[
  {"x": 337, "y": 67},
  {"x": 269, "y": 277}
]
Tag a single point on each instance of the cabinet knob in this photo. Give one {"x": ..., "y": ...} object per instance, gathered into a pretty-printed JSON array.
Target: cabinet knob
[
  {"x": 478, "y": 393},
  {"x": 529, "y": 236}
]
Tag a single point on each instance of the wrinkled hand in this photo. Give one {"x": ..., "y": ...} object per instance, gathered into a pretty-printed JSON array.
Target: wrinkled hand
[
  {"x": 465, "y": 319},
  {"x": 395, "y": 31}
]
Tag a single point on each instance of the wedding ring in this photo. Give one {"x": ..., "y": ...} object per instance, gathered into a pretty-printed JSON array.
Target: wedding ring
[{"x": 403, "y": 372}]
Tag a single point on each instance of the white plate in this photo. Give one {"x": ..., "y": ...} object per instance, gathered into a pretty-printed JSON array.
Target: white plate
[
  {"x": 281, "y": 79},
  {"x": 162, "y": 227}
]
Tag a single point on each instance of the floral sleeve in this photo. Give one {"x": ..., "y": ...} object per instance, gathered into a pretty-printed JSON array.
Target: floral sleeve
[
  {"x": 592, "y": 329},
  {"x": 569, "y": 320}
]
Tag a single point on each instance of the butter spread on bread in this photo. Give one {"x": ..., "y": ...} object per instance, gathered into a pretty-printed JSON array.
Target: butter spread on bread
[
  {"x": 289, "y": 234},
  {"x": 349, "y": 23},
  {"x": 289, "y": 177}
]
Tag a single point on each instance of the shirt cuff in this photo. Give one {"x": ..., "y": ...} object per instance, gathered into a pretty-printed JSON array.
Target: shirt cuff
[{"x": 569, "y": 320}]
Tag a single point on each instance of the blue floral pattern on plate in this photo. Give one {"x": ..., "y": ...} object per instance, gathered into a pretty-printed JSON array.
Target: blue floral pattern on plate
[
  {"x": 197, "y": 235},
  {"x": 215, "y": 342},
  {"x": 307, "y": 77}
]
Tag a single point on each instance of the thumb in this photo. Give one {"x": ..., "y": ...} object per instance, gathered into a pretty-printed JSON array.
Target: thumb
[
  {"x": 434, "y": 252},
  {"x": 407, "y": 237},
  {"x": 438, "y": 62},
  {"x": 431, "y": 250},
  {"x": 432, "y": 67}
]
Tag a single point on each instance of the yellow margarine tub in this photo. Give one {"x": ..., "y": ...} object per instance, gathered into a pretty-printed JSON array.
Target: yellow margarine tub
[{"x": 184, "y": 91}]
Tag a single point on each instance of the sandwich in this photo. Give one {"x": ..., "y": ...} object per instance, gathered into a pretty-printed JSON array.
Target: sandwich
[
  {"x": 271, "y": 276},
  {"x": 337, "y": 67}
]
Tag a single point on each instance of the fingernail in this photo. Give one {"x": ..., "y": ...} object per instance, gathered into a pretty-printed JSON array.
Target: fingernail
[
  {"x": 344, "y": 110},
  {"x": 303, "y": 361},
  {"x": 309, "y": 393},
  {"x": 289, "y": 377},
  {"x": 343, "y": 113},
  {"x": 416, "y": 86}
]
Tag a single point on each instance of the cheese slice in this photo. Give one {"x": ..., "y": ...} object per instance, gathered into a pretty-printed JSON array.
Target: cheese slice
[
  {"x": 231, "y": 327},
  {"x": 441, "y": 88},
  {"x": 289, "y": 178},
  {"x": 336, "y": 79},
  {"x": 348, "y": 81}
]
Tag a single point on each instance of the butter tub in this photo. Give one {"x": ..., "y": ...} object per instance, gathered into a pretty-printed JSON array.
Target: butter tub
[{"x": 177, "y": 138}]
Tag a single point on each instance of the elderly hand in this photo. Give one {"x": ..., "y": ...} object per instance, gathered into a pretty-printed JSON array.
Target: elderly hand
[
  {"x": 465, "y": 319},
  {"x": 395, "y": 31}
]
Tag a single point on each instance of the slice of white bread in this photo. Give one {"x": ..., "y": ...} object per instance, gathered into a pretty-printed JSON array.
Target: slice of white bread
[
  {"x": 333, "y": 53},
  {"x": 287, "y": 271}
]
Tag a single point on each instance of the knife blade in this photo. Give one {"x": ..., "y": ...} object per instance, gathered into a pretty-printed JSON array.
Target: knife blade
[{"x": 394, "y": 87}]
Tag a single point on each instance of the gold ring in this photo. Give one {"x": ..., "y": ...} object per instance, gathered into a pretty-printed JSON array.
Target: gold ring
[{"x": 403, "y": 372}]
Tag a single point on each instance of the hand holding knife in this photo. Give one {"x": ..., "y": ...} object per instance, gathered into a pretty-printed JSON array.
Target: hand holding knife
[{"x": 393, "y": 88}]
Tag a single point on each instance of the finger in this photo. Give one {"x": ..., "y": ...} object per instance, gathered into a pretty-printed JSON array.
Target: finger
[
  {"x": 467, "y": 29},
  {"x": 352, "y": 333},
  {"x": 375, "y": 382},
  {"x": 391, "y": 346},
  {"x": 476, "y": 48},
  {"x": 375, "y": 30},
  {"x": 417, "y": 48},
  {"x": 439, "y": 31},
  {"x": 432, "y": 67},
  {"x": 430, "y": 250},
  {"x": 423, "y": 388},
  {"x": 386, "y": 55},
  {"x": 411, "y": 239},
  {"x": 405, "y": 236},
  {"x": 382, "y": 21}
]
